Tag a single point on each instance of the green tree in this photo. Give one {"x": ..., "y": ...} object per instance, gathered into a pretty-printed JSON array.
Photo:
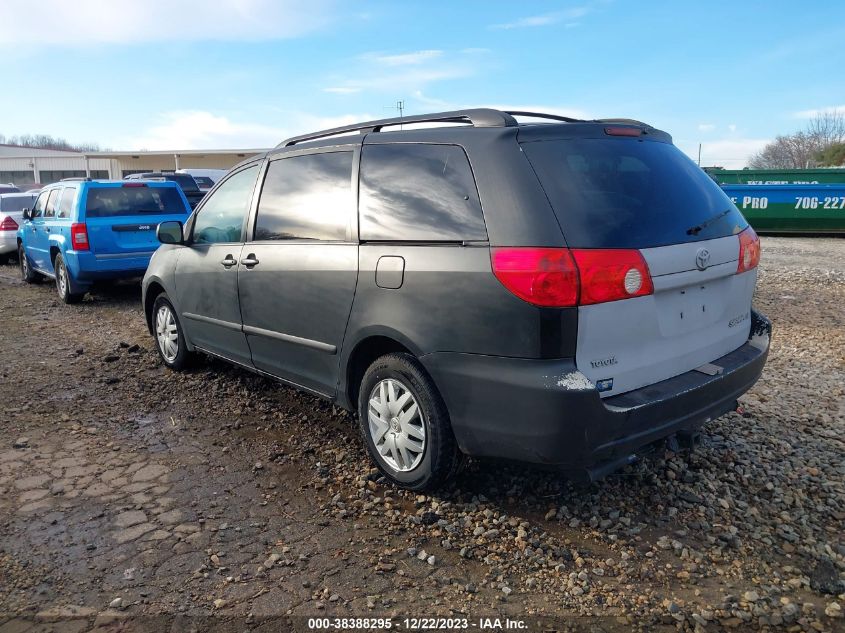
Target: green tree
[{"x": 832, "y": 156}]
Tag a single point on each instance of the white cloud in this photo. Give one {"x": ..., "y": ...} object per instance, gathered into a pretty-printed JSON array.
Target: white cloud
[
  {"x": 544, "y": 20},
  {"x": 341, "y": 90},
  {"x": 414, "y": 58},
  {"x": 731, "y": 153},
  {"x": 87, "y": 22},
  {"x": 199, "y": 129},
  {"x": 405, "y": 73},
  {"x": 706, "y": 127},
  {"x": 809, "y": 114},
  {"x": 732, "y": 127}
]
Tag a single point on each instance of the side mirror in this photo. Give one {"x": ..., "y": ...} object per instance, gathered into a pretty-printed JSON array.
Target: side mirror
[
  {"x": 25, "y": 214},
  {"x": 170, "y": 232}
]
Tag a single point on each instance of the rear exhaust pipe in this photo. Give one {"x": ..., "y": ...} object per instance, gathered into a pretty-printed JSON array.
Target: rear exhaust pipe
[{"x": 599, "y": 471}]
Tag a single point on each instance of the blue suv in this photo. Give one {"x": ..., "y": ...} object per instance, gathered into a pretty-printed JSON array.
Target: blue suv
[{"x": 82, "y": 231}]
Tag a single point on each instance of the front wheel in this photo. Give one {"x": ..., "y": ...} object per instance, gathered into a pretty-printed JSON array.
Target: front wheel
[
  {"x": 27, "y": 273},
  {"x": 405, "y": 424},
  {"x": 63, "y": 282},
  {"x": 170, "y": 341}
]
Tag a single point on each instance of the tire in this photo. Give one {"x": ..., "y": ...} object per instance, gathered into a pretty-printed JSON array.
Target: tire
[
  {"x": 166, "y": 326},
  {"x": 27, "y": 274},
  {"x": 4, "y": 259},
  {"x": 63, "y": 282},
  {"x": 383, "y": 426}
]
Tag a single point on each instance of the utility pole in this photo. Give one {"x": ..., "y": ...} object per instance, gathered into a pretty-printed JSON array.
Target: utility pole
[{"x": 699, "y": 154}]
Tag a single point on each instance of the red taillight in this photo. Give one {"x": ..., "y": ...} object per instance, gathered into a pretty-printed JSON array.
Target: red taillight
[
  {"x": 541, "y": 276},
  {"x": 749, "y": 250},
  {"x": 623, "y": 131},
  {"x": 8, "y": 224},
  {"x": 134, "y": 184},
  {"x": 79, "y": 236},
  {"x": 560, "y": 277},
  {"x": 612, "y": 274}
]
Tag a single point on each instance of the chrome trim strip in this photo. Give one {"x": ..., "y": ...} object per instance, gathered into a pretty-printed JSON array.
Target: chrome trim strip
[
  {"x": 204, "y": 319},
  {"x": 288, "y": 338}
]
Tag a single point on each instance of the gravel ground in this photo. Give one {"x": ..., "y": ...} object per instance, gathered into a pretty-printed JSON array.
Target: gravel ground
[{"x": 127, "y": 490}]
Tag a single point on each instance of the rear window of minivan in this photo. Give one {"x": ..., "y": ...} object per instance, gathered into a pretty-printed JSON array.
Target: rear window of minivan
[
  {"x": 621, "y": 193},
  {"x": 106, "y": 202}
]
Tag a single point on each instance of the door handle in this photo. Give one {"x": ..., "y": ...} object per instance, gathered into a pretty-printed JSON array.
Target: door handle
[
  {"x": 250, "y": 261},
  {"x": 229, "y": 261}
]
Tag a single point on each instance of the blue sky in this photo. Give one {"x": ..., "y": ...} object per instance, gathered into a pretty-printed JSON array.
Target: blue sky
[{"x": 246, "y": 73}]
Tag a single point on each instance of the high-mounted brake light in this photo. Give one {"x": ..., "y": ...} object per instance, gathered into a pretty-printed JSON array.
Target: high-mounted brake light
[
  {"x": 560, "y": 277},
  {"x": 79, "y": 236},
  {"x": 749, "y": 251},
  {"x": 623, "y": 131},
  {"x": 8, "y": 224},
  {"x": 541, "y": 276},
  {"x": 134, "y": 184}
]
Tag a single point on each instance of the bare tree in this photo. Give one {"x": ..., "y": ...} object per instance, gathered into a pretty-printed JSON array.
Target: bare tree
[
  {"x": 45, "y": 141},
  {"x": 801, "y": 150}
]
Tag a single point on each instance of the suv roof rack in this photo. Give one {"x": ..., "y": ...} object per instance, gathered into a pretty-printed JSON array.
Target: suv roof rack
[
  {"x": 479, "y": 117},
  {"x": 543, "y": 115}
]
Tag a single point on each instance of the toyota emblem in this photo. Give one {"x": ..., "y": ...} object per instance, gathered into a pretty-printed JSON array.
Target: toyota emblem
[{"x": 702, "y": 258}]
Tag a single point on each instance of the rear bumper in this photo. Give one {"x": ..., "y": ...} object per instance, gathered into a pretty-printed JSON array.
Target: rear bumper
[
  {"x": 547, "y": 412},
  {"x": 86, "y": 266},
  {"x": 8, "y": 242}
]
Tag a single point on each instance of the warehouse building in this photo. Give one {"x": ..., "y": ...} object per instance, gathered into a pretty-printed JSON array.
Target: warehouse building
[{"x": 27, "y": 167}]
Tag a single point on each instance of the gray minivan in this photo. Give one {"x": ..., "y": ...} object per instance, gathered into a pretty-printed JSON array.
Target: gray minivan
[{"x": 562, "y": 293}]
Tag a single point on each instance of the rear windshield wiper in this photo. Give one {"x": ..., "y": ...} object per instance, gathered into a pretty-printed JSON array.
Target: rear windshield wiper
[{"x": 698, "y": 228}]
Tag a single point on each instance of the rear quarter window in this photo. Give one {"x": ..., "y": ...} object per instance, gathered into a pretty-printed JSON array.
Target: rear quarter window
[
  {"x": 630, "y": 193},
  {"x": 420, "y": 193},
  {"x": 104, "y": 202}
]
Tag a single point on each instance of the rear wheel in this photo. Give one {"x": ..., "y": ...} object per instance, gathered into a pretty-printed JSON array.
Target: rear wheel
[
  {"x": 27, "y": 273},
  {"x": 170, "y": 341},
  {"x": 405, "y": 424},
  {"x": 63, "y": 282}
]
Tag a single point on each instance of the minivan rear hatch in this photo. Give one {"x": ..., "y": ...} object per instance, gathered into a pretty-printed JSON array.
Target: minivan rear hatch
[
  {"x": 612, "y": 190},
  {"x": 122, "y": 217}
]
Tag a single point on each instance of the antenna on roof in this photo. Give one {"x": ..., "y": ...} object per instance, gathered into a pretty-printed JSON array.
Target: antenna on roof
[{"x": 400, "y": 108}]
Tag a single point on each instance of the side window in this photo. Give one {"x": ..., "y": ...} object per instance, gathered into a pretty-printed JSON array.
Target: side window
[
  {"x": 38, "y": 209},
  {"x": 50, "y": 209},
  {"x": 222, "y": 216},
  {"x": 67, "y": 202},
  {"x": 307, "y": 197},
  {"x": 418, "y": 192}
]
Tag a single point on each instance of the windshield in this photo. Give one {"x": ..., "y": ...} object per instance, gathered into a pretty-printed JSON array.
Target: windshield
[
  {"x": 621, "y": 193},
  {"x": 119, "y": 201}
]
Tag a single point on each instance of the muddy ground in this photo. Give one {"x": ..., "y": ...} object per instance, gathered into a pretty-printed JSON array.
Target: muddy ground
[{"x": 129, "y": 492}]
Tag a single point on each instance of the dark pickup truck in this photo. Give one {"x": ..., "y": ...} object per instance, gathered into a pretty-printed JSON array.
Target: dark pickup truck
[{"x": 189, "y": 186}]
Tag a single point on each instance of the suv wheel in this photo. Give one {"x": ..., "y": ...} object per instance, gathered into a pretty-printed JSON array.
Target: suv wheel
[
  {"x": 27, "y": 274},
  {"x": 170, "y": 342},
  {"x": 63, "y": 282},
  {"x": 405, "y": 424}
]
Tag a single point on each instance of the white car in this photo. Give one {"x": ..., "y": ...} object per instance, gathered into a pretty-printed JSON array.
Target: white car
[{"x": 11, "y": 208}]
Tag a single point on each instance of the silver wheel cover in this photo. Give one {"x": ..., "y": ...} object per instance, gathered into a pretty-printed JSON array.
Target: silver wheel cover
[
  {"x": 61, "y": 279},
  {"x": 396, "y": 424},
  {"x": 167, "y": 335}
]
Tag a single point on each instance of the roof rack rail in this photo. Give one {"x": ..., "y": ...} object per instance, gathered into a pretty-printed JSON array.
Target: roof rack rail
[
  {"x": 76, "y": 179},
  {"x": 543, "y": 115},
  {"x": 479, "y": 117}
]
